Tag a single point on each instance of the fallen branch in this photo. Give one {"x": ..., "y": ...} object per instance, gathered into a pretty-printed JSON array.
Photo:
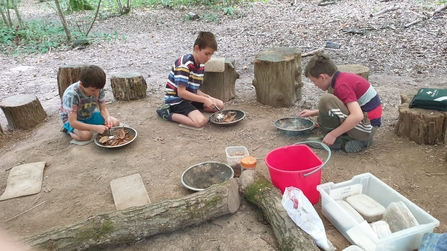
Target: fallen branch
[
  {"x": 414, "y": 22},
  {"x": 427, "y": 17},
  {"x": 439, "y": 9},
  {"x": 137, "y": 223},
  {"x": 310, "y": 53},
  {"x": 24, "y": 212},
  {"x": 384, "y": 11},
  {"x": 260, "y": 191}
]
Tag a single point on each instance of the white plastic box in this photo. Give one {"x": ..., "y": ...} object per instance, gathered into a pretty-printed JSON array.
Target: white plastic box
[
  {"x": 407, "y": 239},
  {"x": 235, "y": 154}
]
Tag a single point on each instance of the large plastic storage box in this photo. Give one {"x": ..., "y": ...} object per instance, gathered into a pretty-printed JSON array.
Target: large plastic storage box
[{"x": 404, "y": 240}]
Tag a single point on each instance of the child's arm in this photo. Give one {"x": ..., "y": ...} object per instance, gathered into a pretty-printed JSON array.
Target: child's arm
[
  {"x": 106, "y": 115},
  {"x": 183, "y": 93},
  {"x": 73, "y": 120},
  {"x": 309, "y": 113},
  {"x": 354, "y": 117}
]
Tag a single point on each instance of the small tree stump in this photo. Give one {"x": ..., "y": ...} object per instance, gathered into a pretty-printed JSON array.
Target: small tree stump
[
  {"x": 128, "y": 86},
  {"x": 67, "y": 75},
  {"x": 221, "y": 85},
  {"x": 421, "y": 125},
  {"x": 23, "y": 111},
  {"x": 277, "y": 77},
  {"x": 357, "y": 69}
]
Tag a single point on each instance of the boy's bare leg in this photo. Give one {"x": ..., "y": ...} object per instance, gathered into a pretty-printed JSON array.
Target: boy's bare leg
[
  {"x": 81, "y": 135},
  {"x": 194, "y": 119}
]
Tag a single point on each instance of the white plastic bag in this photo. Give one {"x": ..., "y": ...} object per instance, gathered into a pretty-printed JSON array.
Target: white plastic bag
[{"x": 302, "y": 212}]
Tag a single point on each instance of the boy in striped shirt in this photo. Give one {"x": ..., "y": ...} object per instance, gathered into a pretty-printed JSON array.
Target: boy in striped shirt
[
  {"x": 183, "y": 98},
  {"x": 350, "y": 113}
]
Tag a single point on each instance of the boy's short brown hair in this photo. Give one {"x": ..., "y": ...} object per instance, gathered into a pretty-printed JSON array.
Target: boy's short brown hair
[
  {"x": 93, "y": 76},
  {"x": 320, "y": 64},
  {"x": 206, "y": 39}
]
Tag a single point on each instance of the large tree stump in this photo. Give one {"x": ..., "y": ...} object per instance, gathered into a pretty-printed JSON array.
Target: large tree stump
[
  {"x": 260, "y": 191},
  {"x": 277, "y": 77},
  {"x": 357, "y": 69},
  {"x": 137, "y": 223},
  {"x": 422, "y": 126},
  {"x": 23, "y": 111},
  {"x": 128, "y": 86},
  {"x": 67, "y": 75},
  {"x": 221, "y": 85}
]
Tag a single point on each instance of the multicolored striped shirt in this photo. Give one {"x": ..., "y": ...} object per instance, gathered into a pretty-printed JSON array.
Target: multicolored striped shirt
[
  {"x": 349, "y": 87},
  {"x": 184, "y": 72}
]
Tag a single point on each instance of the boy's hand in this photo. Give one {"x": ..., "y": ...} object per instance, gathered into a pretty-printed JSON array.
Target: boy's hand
[
  {"x": 209, "y": 104},
  {"x": 101, "y": 129},
  {"x": 329, "y": 139},
  {"x": 308, "y": 113},
  {"x": 108, "y": 122}
]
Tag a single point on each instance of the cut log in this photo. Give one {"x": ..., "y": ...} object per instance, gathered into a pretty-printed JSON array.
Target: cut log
[
  {"x": 128, "y": 86},
  {"x": 137, "y": 223},
  {"x": 67, "y": 75},
  {"x": 260, "y": 191},
  {"x": 221, "y": 85},
  {"x": 360, "y": 70},
  {"x": 421, "y": 126},
  {"x": 277, "y": 77},
  {"x": 23, "y": 111}
]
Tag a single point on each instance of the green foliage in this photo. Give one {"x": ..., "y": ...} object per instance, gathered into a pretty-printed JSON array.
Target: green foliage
[{"x": 40, "y": 37}]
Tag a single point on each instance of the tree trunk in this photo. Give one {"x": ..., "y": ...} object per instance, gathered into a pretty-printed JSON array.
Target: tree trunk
[
  {"x": 128, "y": 86},
  {"x": 277, "y": 77},
  {"x": 260, "y": 191},
  {"x": 67, "y": 75},
  {"x": 221, "y": 85},
  {"x": 360, "y": 70},
  {"x": 63, "y": 21},
  {"x": 19, "y": 19},
  {"x": 137, "y": 223},
  {"x": 23, "y": 111}
]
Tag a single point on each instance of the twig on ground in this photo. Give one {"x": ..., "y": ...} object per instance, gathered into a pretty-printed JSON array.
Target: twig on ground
[
  {"x": 413, "y": 23},
  {"x": 384, "y": 11},
  {"x": 431, "y": 33},
  {"x": 24, "y": 212},
  {"x": 310, "y": 53},
  {"x": 439, "y": 9}
]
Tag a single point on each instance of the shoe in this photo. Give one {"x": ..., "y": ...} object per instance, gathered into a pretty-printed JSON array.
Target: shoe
[
  {"x": 165, "y": 112},
  {"x": 355, "y": 146},
  {"x": 336, "y": 146},
  {"x": 63, "y": 129}
]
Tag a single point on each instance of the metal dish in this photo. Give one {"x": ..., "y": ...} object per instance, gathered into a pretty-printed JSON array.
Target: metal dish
[
  {"x": 203, "y": 175},
  {"x": 130, "y": 136},
  {"x": 218, "y": 117},
  {"x": 294, "y": 126}
]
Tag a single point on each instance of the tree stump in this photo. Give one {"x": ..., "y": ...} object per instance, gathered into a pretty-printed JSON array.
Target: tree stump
[
  {"x": 221, "y": 85},
  {"x": 136, "y": 223},
  {"x": 357, "y": 69},
  {"x": 421, "y": 125},
  {"x": 23, "y": 111},
  {"x": 277, "y": 77},
  {"x": 67, "y": 75},
  {"x": 128, "y": 86},
  {"x": 260, "y": 191}
]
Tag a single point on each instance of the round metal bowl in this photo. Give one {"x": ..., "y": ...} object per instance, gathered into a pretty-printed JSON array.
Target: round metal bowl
[
  {"x": 294, "y": 126},
  {"x": 215, "y": 117},
  {"x": 203, "y": 175},
  {"x": 130, "y": 136}
]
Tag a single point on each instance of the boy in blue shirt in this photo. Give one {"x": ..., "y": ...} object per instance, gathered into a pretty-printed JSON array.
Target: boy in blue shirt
[
  {"x": 80, "y": 104},
  {"x": 183, "y": 99}
]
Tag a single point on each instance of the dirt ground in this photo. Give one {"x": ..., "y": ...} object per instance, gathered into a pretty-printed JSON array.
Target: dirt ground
[{"x": 77, "y": 179}]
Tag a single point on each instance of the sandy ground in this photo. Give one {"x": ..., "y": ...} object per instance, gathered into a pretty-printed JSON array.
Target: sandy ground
[{"x": 77, "y": 179}]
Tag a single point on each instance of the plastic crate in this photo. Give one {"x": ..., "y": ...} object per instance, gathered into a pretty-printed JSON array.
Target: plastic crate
[
  {"x": 407, "y": 239},
  {"x": 235, "y": 154}
]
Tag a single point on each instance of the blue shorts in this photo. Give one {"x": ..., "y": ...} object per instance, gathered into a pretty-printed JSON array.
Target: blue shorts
[{"x": 95, "y": 119}]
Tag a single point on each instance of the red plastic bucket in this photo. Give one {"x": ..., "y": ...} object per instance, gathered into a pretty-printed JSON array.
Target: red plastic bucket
[{"x": 298, "y": 166}]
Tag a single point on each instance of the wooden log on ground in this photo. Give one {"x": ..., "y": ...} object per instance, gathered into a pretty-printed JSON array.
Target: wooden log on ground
[
  {"x": 23, "y": 111},
  {"x": 260, "y": 191},
  {"x": 128, "y": 86},
  {"x": 277, "y": 77},
  {"x": 67, "y": 75},
  {"x": 357, "y": 69},
  {"x": 221, "y": 85},
  {"x": 134, "y": 224},
  {"x": 421, "y": 126}
]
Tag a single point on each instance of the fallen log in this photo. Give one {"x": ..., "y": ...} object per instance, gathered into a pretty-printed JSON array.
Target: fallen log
[
  {"x": 133, "y": 224},
  {"x": 260, "y": 191}
]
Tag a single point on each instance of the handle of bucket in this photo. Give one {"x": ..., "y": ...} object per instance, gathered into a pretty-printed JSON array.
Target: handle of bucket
[{"x": 325, "y": 147}]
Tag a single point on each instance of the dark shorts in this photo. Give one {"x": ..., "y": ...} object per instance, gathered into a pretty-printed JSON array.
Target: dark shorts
[{"x": 185, "y": 107}]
